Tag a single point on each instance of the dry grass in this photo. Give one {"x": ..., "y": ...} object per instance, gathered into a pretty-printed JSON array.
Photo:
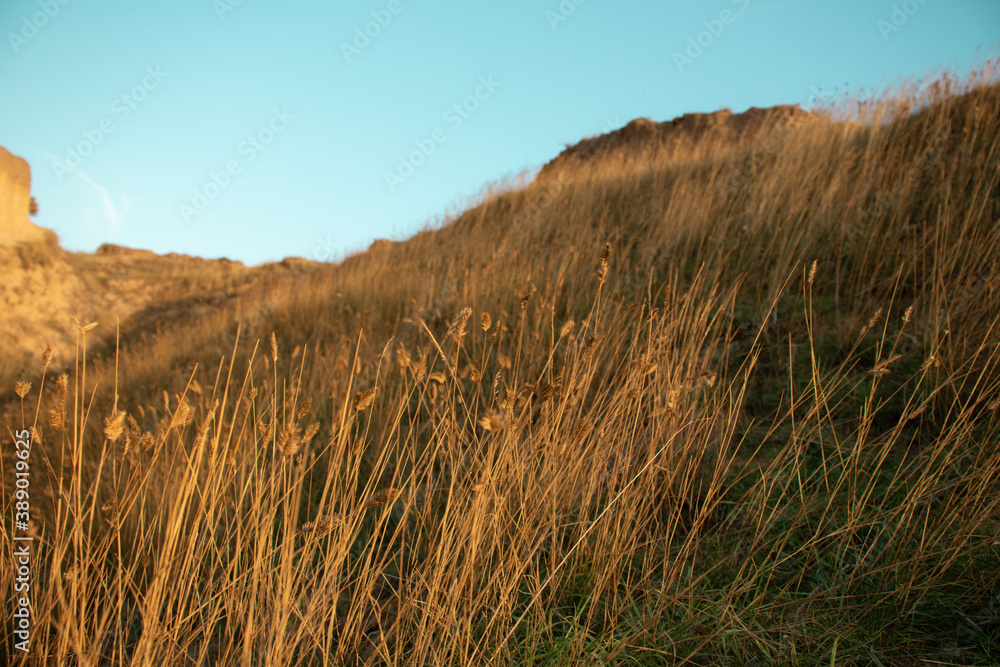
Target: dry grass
[{"x": 735, "y": 404}]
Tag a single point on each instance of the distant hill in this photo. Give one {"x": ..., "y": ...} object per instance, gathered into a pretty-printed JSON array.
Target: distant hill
[{"x": 45, "y": 287}]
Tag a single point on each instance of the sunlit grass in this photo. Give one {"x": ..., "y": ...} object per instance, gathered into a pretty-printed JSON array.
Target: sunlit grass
[{"x": 759, "y": 426}]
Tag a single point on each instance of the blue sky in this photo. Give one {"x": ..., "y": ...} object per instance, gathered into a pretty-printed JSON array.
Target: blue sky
[{"x": 256, "y": 130}]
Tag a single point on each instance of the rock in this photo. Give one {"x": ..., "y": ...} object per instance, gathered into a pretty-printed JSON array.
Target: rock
[{"x": 15, "y": 198}]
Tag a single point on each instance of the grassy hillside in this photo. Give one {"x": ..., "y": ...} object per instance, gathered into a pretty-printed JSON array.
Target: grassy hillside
[{"x": 706, "y": 402}]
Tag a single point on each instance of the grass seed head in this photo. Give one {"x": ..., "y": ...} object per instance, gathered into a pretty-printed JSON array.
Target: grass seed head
[
  {"x": 491, "y": 422},
  {"x": 202, "y": 436},
  {"x": 381, "y": 498},
  {"x": 916, "y": 413},
  {"x": 21, "y": 388},
  {"x": 183, "y": 415},
  {"x": 504, "y": 361},
  {"x": 509, "y": 400},
  {"x": 114, "y": 426},
  {"x": 420, "y": 370},
  {"x": 602, "y": 267},
  {"x": 290, "y": 440},
  {"x": 310, "y": 433},
  {"x": 526, "y": 297},
  {"x": 57, "y": 417},
  {"x": 322, "y": 525},
  {"x": 588, "y": 351},
  {"x": 456, "y": 329},
  {"x": 403, "y": 358},
  {"x": 882, "y": 368},
  {"x": 872, "y": 322},
  {"x": 363, "y": 400}
]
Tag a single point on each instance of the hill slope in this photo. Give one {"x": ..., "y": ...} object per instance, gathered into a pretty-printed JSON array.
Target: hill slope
[{"x": 727, "y": 402}]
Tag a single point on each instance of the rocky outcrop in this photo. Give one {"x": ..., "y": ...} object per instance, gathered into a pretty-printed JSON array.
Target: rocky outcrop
[
  {"x": 15, "y": 198},
  {"x": 38, "y": 285}
]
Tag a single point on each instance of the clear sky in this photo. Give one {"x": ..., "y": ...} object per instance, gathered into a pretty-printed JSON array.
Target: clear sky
[{"x": 257, "y": 130}]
